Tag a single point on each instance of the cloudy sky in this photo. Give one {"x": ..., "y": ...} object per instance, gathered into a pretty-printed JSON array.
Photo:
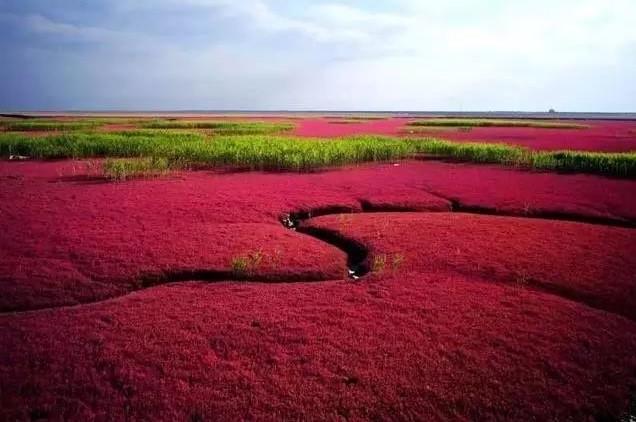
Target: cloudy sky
[{"x": 571, "y": 55}]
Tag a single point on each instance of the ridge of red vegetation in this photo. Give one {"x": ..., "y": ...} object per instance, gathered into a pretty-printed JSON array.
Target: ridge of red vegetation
[
  {"x": 483, "y": 317},
  {"x": 602, "y": 136}
]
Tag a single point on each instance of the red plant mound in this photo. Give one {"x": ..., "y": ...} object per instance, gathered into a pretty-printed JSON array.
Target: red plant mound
[
  {"x": 331, "y": 127},
  {"x": 462, "y": 316},
  {"x": 518, "y": 251},
  {"x": 411, "y": 346}
]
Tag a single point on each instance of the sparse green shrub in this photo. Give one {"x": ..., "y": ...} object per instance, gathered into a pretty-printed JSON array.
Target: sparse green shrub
[
  {"x": 397, "y": 261},
  {"x": 522, "y": 279},
  {"x": 239, "y": 265},
  {"x": 379, "y": 263}
]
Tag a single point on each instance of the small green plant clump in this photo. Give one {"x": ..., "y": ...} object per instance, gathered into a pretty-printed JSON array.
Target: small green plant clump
[
  {"x": 384, "y": 262},
  {"x": 239, "y": 265},
  {"x": 246, "y": 265}
]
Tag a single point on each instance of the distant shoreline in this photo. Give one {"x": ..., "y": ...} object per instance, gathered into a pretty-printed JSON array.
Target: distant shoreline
[{"x": 317, "y": 113}]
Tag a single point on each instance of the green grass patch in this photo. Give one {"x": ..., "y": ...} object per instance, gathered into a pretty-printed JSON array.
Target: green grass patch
[
  {"x": 162, "y": 150},
  {"x": 128, "y": 168},
  {"x": 356, "y": 118},
  {"x": 86, "y": 145},
  {"x": 473, "y": 152},
  {"x": 36, "y": 125},
  {"x": 87, "y": 124},
  {"x": 419, "y": 130},
  {"x": 221, "y": 127},
  {"x": 615, "y": 164},
  {"x": 53, "y": 125},
  {"x": 179, "y": 134},
  {"x": 344, "y": 122},
  {"x": 183, "y": 150},
  {"x": 283, "y": 153},
  {"x": 545, "y": 124}
]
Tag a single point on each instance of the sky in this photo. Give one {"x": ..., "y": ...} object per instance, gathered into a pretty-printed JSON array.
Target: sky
[{"x": 463, "y": 55}]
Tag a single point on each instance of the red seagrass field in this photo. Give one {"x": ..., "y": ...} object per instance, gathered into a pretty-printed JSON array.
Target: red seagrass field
[{"x": 372, "y": 267}]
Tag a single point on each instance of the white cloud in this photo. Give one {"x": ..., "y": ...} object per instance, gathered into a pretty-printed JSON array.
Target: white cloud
[
  {"x": 42, "y": 25},
  {"x": 322, "y": 22}
]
